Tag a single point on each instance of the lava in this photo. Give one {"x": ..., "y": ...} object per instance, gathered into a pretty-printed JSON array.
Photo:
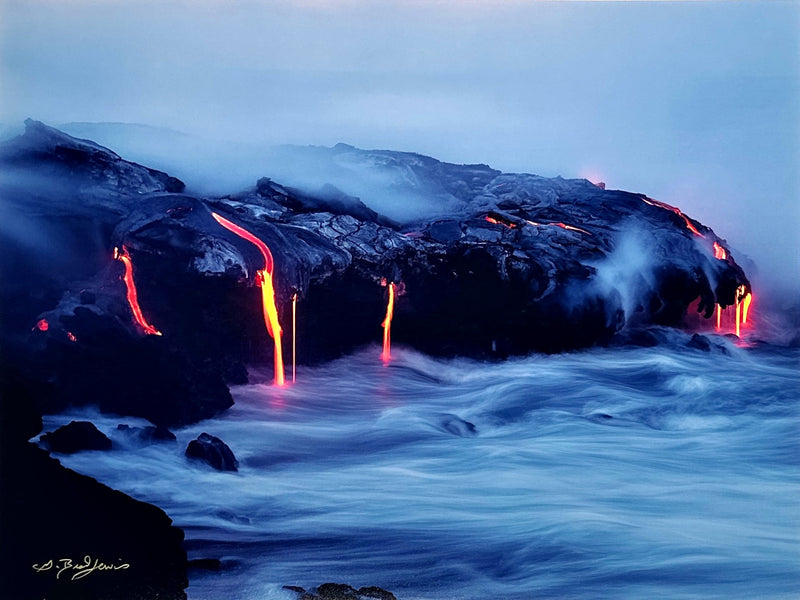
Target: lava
[
  {"x": 42, "y": 325},
  {"x": 719, "y": 252},
  {"x": 294, "y": 338},
  {"x": 386, "y": 355},
  {"x": 264, "y": 281},
  {"x": 498, "y": 220},
  {"x": 570, "y": 228},
  {"x": 746, "y": 307},
  {"x": 736, "y": 315},
  {"x": 133, "y": 296},
  {"x": 677, "y": 211}
]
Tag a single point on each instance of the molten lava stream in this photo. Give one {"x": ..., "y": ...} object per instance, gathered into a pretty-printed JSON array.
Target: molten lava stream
[
  {"x": 294, "y": 338},
  {"x": 133, "y": 296},
  {"x": 264, "y": 281},
  {"x": 386, "y": 355}
]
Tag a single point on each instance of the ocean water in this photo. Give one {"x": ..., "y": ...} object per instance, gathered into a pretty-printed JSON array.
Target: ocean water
[{"x": 663, "y": 472}]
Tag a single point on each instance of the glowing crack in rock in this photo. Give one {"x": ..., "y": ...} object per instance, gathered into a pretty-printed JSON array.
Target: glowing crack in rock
[
  {"x": 675, "y": 210},
  {"x": 386, "y": 355},
  {"x": 719, "y": 252},
  {"x": 264, "y": 281},
  {"x": 495, "y": 219},
  {"x": 133, "y": 296},
  {"x": 501, "y": 221}
]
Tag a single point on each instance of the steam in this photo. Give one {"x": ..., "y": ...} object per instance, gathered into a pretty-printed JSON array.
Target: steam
[{"x": 628, "y": 271}]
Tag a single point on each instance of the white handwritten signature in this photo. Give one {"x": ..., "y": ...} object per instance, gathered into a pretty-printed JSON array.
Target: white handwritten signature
[{"x": 79, "y": 569}]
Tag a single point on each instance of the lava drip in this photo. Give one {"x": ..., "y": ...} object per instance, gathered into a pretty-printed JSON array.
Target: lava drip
[
  {"x": 133, "y": 296},
  {"x": 719, "y": 252},
  {"x": 264, "y": 281},
  {"x": 738, "y": 314},
  {"x": 386, "y": 355},
  {"x": 294, "y": 337}
]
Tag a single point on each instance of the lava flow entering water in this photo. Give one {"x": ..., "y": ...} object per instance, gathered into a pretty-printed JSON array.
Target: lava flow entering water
[
  {"x": 735, "y": 316},
  {"x": 133, "y": 296},
  {"x": 264, "y": 281},
  {"x": 386, "y": 355}
]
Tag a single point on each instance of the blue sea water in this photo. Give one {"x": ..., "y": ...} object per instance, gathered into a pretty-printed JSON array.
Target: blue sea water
[{"x": 663, "y": 472}]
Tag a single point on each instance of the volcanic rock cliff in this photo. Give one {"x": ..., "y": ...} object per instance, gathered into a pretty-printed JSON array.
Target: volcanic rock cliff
[{"x": 510, "y": 263}]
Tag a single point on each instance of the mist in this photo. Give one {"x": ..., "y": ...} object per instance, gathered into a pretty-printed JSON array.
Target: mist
[{"x": 695, "y": 104}]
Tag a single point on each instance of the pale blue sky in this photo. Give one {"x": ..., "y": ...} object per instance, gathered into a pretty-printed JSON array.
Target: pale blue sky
[{"x": 694, "y": 103}]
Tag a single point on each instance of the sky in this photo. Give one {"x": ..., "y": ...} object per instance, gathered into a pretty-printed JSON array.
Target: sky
[{"x": 694, "y": 103}]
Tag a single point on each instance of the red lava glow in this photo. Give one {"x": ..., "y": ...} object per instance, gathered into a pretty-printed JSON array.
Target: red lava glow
[
  {"x": 561, "y": 225},
  {"x": 264, "y": 281},
  {"x": 133, "y": 297},
  {"x": 746, "y": 308},
  {"x": 503, "y": 222},
  {"x": 677, "y": 211},
  {"x": 386, "y": 355},
  {"x": 570, "y": 228},
  {"x": 719, "y": 252},
  {"x": 71, "y": 337},
  {"x": 733, "y": 318},
  {"x": 42, "y": 325},
  {"x": 294, "y": 338}
]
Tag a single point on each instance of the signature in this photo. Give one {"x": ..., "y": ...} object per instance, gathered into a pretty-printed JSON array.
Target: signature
[{"x": 78, "y": 570}]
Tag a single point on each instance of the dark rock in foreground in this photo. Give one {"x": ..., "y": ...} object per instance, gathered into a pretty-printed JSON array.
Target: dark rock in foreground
[
  {"x": 76, "y": 436},
  {"x": 341, "y": 591},
  {"x": 104, "y": 544},
  {"x": 213, "y": 451}
]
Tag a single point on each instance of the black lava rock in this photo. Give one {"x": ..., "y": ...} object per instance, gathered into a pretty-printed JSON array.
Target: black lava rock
[
  {"x": 76, "y": 436},
  {"x": 214, "y": 451},
  {"x": 52, "y": 517}
]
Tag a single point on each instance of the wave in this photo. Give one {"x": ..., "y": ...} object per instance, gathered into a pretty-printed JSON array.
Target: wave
[{"x": 610, "y": 473}]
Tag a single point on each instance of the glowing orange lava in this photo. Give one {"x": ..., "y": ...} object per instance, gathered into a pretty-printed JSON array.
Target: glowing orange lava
[
  {"x": 71, "y": 337},
  {"x": 570, "y": 228},
  {"x": 42, "y": 325},
  {"x": 264, "y": 281},
  {"x": 675, "y": 210},
  {"x": 386, "y": 355},
  {"x": 746, "y": 308},
  {"x": 133, "y": 297},
  {"x": 719, "y": 252},
  {"x": 504, "y": 222},
  {"x": 736, "y": 315},
  {"x": 294, "y": 338}
]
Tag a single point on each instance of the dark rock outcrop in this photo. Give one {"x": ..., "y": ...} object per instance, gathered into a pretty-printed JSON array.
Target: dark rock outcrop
[
  {"x": 76, "y": 436},
  {"x": 503, "y": 264},
  {"x": 213, "y": 451},
  {"x": 66, "y": 523},
  {"x": 341, "y": 591}
]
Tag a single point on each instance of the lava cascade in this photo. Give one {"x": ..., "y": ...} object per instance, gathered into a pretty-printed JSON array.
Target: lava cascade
[
  {"x": 386, "y": 355},
  {"x": 264, "y": 281},
  {"x": 133, "y": 296}
]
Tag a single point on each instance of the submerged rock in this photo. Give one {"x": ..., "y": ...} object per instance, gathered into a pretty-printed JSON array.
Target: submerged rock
[
  {"x": 76, "y": 436},
  {"x": 213, "y": 451},
  {"x": 341, "y": 591}
]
